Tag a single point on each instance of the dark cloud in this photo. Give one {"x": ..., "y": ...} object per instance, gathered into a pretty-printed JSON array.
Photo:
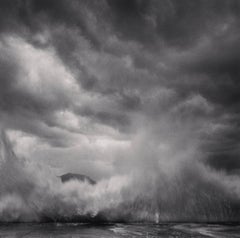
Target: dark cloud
[{"x": 126, "y": 60}]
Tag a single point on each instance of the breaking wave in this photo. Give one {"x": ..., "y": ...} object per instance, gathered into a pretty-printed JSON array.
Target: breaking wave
[{"x": 31, "y": 192}]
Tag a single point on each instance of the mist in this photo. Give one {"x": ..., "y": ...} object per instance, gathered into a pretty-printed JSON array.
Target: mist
[{"x": 160, "y": 178}]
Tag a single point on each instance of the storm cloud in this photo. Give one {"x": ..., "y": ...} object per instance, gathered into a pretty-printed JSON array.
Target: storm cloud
[{"x": 110, "y": 87}]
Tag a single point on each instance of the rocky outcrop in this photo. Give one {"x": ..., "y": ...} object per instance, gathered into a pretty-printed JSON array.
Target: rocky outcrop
[{"x": 80, "y": 177}]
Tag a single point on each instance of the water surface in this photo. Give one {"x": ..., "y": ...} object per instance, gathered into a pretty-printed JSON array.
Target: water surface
[{"x": 73, "y": 230}]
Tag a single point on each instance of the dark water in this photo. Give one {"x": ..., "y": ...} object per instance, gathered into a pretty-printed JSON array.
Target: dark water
[{"x": 118, "y": 230}]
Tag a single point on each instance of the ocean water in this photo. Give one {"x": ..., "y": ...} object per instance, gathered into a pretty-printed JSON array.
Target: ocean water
[{"x": 74, "y": 230}]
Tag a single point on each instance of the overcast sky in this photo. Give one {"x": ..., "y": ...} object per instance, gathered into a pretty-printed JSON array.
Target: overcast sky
[{"x": 99, "y": 87}]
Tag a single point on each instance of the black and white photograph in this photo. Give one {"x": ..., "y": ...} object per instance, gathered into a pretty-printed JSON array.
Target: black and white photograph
[{"x": 119, "y": 118}]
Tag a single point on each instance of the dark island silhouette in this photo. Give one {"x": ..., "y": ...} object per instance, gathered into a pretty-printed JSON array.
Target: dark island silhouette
[{"x": 80, "y": 177}]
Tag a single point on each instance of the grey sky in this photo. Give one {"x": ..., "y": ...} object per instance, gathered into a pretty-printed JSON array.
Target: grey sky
[{"x": 83, "y": 84}]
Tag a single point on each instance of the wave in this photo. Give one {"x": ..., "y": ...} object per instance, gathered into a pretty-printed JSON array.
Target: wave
[{"x": 32, "y": 192}]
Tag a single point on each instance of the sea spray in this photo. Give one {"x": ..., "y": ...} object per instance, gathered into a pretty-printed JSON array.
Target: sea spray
[{"x": 31, "y": 192}]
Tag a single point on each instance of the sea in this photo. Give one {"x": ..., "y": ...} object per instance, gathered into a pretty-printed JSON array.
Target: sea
[{"x": 74, "y": 230}]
